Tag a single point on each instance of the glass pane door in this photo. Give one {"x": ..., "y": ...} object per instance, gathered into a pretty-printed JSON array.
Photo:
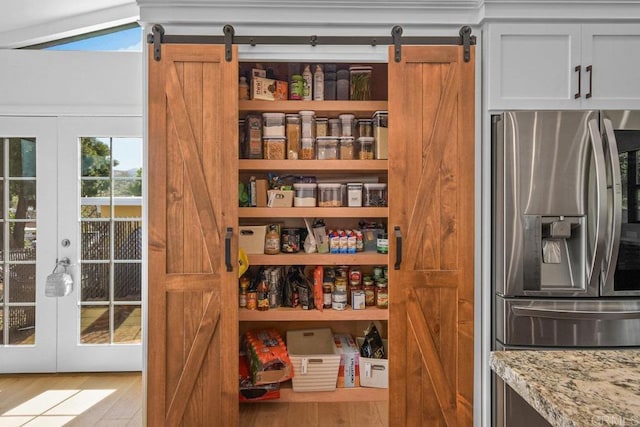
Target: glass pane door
[
  {"x": 100, "y": 324},
  {"x": 27, "y": 243}
]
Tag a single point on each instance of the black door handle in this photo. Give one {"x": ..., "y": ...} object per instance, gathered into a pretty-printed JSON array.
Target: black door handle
[
  {"x": 227, "y": 248},
  {"x": 398, "y": 247},
  {"x": 578, "y": 70},
  {"x": 590, "y": 71}
]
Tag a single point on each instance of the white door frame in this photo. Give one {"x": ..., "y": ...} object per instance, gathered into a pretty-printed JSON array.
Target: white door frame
[
  {"x": 72, "y": 356},
  {"x": 39, "y": 357}
]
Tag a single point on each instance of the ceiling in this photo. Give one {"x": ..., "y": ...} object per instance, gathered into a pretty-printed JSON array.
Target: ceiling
[{"x": 26, "y": 22}]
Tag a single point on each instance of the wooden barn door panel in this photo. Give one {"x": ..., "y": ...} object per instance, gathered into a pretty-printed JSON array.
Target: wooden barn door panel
[
  {"x": 193, "y": 326},
  {"x": 431, "y": 134}
]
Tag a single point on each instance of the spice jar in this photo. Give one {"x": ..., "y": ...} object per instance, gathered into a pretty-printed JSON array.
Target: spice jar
[
  {"x": 242, "y": 297},
  {"x": 382, "y": 294}
]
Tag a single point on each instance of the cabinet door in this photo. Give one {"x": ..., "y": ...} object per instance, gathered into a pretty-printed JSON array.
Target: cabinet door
[
  {"x": 532, "y": 66},
  {"x": 192, "y": 362},
  {"x": 431, "y": 199},
  {"x": 613, "y": 52}
]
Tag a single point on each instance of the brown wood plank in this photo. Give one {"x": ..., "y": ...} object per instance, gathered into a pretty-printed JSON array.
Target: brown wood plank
[
  {"x": 431, "y": 360},
  {"x": 188, "y": 148},
  {"x": 174, "y": 342},
  {"x": 429, "y": 173},
  {"x": 191, "y": 282},
  {"x": 192, "y": 393},
  {"x": 157, "y": 244},
  {"x": 229, "y": 212},
  {"x": 193, "y": 363}
]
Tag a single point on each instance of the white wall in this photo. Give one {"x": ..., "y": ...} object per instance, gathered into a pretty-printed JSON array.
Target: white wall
[{"x": 57, "y": 83}]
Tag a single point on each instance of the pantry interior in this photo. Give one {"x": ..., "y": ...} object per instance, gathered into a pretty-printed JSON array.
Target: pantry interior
[{"x": 195, "y": 220}]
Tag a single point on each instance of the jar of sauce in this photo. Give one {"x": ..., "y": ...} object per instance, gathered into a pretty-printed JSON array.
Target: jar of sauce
[
  {"x": 369, "y": 291},
  {"x": 382, "y": 294}
]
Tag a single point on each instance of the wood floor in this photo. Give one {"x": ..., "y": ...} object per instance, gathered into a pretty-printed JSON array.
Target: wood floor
[
  {"x": 52, "y": 400},
  {"x": 115, "y": 400}
]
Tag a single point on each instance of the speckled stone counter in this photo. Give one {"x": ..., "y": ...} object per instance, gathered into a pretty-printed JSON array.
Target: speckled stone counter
[{"x": 576, "y": 387}]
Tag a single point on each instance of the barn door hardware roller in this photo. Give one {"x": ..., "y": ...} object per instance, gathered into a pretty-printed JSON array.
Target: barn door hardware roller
[
  {"x": 229, "y": 38},
  {"x": 157, "y": 31}
]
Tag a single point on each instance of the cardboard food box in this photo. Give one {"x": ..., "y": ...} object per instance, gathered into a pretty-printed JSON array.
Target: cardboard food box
[
  {"x": 280, "y": 198},
  {"x": 314, "y": 358},
  {"x": 349, "y": 370},
  {"x": 251, "y": 238},
  {"x": 267, "y": 356},
  {"x": 250, "y": 392},
  {"x": 269, "y": 89},
  {"x": 374, "y": 372}
]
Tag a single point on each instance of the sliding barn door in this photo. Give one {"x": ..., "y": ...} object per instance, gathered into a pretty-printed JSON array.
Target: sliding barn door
[
  {"x": 431, "y": 179},
  {"x": 192, "y": 362}
]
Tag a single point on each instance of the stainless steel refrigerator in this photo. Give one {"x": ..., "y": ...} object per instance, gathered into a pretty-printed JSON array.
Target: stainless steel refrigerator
[{"x": 566, "y": 232}]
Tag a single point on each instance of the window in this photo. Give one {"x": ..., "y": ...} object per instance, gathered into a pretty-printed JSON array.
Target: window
[{"x": 124, "y": 38}]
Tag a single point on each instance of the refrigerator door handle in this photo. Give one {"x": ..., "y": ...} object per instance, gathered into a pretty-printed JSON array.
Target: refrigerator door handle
[
  {"x": 616, "y": 214},
  {"x": 554, "y": 313},
  {"x": 601, "y": 207}
]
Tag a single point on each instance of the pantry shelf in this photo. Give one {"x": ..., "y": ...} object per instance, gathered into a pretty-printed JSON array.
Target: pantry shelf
[
  {"x": 352, "y": 212},
  {"x": 301, "y": 258},
  {"x": 298, "y": 314},
  {"x": 355, "y": 394},
  {"x": 330, "y": 108},
  {"x": 313, "y": 166}
]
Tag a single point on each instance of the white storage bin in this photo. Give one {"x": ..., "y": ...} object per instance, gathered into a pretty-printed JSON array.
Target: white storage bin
[
  {"x": 374, "y": 372},
  {"x": 315, "y": 359}
]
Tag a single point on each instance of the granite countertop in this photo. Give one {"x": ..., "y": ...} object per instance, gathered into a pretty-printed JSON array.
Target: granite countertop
[{"x": 575, "y": 387}]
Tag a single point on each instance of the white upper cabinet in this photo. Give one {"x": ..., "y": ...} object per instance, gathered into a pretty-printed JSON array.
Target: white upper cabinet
[
  {"x": 563, "y": 66},
  {"x": 613, "y": 52}
]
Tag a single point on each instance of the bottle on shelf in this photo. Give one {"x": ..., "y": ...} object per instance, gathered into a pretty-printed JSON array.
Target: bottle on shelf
[
  {"x": 243, "y": 89},
  {"x": 318, "y": 84},
  {"x": 263, "y": 294},
  {"x": 244, "y": 286},
  {"x": 307, "y": 90}
]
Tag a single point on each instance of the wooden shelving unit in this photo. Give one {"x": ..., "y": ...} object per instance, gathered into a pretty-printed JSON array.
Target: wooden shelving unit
[
  {"x": 331, "y": 108},
  {"x": 301, "y": 258},
  {"x": 347, "y": 167},
  {"x": 313, "y": 212},
  {"x": 355, "y": 394},
  {"x": 297, "y": 314}
]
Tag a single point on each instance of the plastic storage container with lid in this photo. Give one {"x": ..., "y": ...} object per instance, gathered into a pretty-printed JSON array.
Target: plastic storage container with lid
[
  {"x": 347, "y": 124},
  {"x": 293, "y": 136},
  {"x": 347, "y": 148},
  {"x": 274, "y": 148},
  {"x": 326, "y": 148},
  {"x": 273, "y": 124},
  {"x": 308, "y": 121},
  {"x": 329, "y": 195},
  {"x": 365, "y": 148},
  {"x": 304, "y": 195},
  {"x": 334, "y": 127},
  {"x": 307, "y": 148},
  {"x": 360, "y": 83},
  {"x": 322, "y": 126},
  {"x": 381, "y": 134},
  {"x": 375, "y": 194},
  {"x": 365, "y": 127}
]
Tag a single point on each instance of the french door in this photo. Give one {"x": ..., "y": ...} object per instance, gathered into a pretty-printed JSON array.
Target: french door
[
  {"x": 27, "y": 235},
  {"x": 71, "y": 188}
]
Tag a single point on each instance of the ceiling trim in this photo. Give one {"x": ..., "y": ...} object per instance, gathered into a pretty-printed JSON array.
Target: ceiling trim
[{"x": 68, "y": 27}]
